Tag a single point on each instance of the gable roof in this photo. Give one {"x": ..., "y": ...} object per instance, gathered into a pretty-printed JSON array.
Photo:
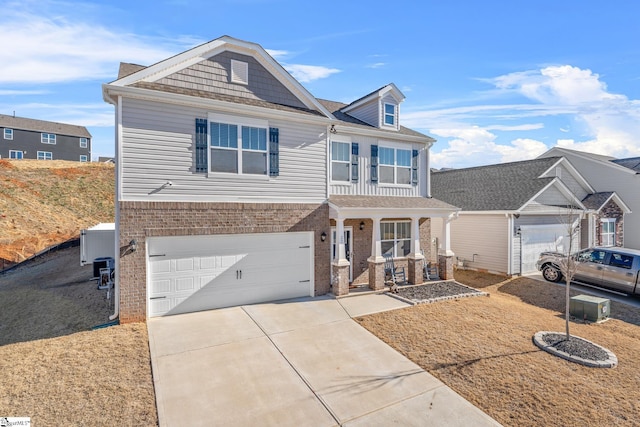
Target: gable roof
[
  {"x": 157, "y": 71},
  {"x": 608, "y": 161},
  {"x": 35, "y": 125},
  {"x": 378, "y": 93},
  {"x": 597, "y": 201},
  {"x": 336, "y": 108},
  {"x": 501, "y": 187},
  {"x": 151, "y": 78}
]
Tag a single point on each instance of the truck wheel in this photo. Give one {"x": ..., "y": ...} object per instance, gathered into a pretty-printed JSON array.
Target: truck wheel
[{"x": 551, "y": 273}]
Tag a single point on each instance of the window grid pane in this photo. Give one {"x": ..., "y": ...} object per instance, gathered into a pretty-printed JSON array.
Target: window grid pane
[
  {"x": 387, "y": 156},
  {"x": 340, "y": 151}
]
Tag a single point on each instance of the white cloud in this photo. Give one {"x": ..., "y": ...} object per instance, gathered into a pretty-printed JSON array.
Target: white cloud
[
  {"x": 474, "y": 145},
  {"x": 601, "y": 121},
  {"x": 376, "y": 65},
  {"x": 308, "y": 73},
  {"x": 278, "y": 54},
  {"x": 50, "y": 47}
]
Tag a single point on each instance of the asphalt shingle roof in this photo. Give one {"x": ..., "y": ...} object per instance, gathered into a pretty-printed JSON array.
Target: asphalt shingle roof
[
  {"x": 35, "y": 125},
  {"x": 392, "y": 202},
  {"x": 506, "y": 186},
  {"x": 596, "y": 200},
  {"x": 632, "y": 163}
]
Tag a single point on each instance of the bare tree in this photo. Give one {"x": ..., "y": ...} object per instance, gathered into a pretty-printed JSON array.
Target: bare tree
[{"x": 569, "y": 263}]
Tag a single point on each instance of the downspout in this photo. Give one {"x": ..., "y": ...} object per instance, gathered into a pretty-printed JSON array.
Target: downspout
[
  {"x": 328, "y": 161},
  {"x": 118, "y": 136},
  {"x": 509, "y": 243},
  {"x": 428, "y": 171}
]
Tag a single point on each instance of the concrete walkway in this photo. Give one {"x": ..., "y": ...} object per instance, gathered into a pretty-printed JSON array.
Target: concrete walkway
[{"x": 293, "y": 363}]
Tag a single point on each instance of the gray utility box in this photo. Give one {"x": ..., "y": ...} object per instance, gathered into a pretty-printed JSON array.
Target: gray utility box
[{"x": 586, "y": 307}]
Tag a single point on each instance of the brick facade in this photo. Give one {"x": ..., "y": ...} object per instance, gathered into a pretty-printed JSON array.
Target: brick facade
[
  {"x": 610, "y": 210},
  {"x": 139, "y": 220}
]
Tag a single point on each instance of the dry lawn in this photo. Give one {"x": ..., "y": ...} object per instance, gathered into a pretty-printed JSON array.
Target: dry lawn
[
  {"x": 482, "y": 348},
  {"x": 96, "y": 378},
  {"x": 43, "y": 203},
  {"x": 53, "y": 368}
]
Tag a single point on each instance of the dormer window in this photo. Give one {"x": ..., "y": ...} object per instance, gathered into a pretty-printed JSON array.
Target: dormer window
[{"x": 389, "y": 114}]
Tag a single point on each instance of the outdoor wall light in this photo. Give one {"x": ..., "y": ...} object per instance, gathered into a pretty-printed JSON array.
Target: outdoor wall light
[
  {"x": 333, "y": 129},
  {"x": 133, "y": 245},
  {"x": 323, "y": 236},
  {"x": 361, "y": 225}
]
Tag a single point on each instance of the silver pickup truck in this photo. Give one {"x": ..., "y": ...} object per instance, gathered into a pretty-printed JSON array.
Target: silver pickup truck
[{"x": 613, "y": 268}]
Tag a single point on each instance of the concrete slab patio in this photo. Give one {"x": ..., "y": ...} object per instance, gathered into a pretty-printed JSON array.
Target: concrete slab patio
[{"x": 292, "y": 363}]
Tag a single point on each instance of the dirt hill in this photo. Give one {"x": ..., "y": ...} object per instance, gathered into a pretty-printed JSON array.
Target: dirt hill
[{"x": 43, "y": 203}]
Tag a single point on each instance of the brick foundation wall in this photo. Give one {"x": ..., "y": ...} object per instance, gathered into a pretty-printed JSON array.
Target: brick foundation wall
[{"x": 139, "y": 220}]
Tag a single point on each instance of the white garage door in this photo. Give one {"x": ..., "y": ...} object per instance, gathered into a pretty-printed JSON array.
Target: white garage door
[
  {"x": 193, "y": 273},
  {"x": 540, "y": 238}
]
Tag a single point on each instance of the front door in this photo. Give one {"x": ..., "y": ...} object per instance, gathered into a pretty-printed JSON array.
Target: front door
[{"x": 348, "y": 244}]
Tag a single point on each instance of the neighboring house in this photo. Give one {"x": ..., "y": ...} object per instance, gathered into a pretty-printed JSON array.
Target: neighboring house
[
  {"x": 238, "y": 186},
  {"x": 513, "y": 211},
  {"x": 607, "y": 173},
  {"x": 23, "y": 138}
]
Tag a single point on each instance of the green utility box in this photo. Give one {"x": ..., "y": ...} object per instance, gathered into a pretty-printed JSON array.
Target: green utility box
[{"x": 586, "y": 307}]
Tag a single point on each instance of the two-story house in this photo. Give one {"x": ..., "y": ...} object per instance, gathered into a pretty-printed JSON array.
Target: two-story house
[
  {"x": 23, "y": 138},
  {"x": 235, "y": 185}
]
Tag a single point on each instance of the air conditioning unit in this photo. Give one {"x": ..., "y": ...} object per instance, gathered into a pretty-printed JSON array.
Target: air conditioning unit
[{"x": 587, "y": 307}]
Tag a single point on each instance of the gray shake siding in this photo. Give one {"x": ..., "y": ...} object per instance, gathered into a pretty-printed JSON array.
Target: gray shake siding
[{"x": 212, "y": 75}]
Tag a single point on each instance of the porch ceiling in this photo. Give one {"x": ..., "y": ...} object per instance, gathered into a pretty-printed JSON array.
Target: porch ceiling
[{"x": 388, "y": 206}]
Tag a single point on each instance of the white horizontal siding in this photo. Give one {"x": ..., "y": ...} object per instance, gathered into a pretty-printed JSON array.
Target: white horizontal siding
[
  {"x": 484, "y": 235},
  {"x": 158, "y": 146},
  {"x": 364, "y": 186},
  {"x": 368, "y": 113}
]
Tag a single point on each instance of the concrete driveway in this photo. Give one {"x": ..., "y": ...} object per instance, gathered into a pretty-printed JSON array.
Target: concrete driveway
[{"x": 293, "y": 363}]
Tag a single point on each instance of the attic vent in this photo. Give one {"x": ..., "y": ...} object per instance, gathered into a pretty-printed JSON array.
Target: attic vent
[{"x": 239, "y": 72}]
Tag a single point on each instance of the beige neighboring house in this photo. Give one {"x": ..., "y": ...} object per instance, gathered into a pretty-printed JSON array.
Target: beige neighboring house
[
  {"x": 238, "y": 186},
  {"x": 607, "y": 173},
  {"x": 512, "y": 212}
]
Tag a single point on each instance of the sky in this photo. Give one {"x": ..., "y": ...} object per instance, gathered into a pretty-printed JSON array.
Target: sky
[{"x": 492, "y": 81}]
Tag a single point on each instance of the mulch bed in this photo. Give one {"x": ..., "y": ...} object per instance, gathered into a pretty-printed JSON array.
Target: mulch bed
[{"x": 437, "y": 291}]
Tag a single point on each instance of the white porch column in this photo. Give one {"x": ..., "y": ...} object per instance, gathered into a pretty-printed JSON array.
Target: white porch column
[
  {"x": 445, "y": 248},
  {"x": 376, "y": 244},
  {"x": 415, "y": 238},
  {"x": 340, "y": 245}
]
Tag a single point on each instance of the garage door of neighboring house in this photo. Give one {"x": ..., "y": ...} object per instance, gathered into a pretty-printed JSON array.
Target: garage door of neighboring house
[
  {"x": 540, "y": 238},
  {"x": 194, "y": 273}
]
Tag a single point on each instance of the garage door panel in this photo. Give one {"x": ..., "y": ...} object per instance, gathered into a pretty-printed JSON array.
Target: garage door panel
[{"x": 192, "y": 273}]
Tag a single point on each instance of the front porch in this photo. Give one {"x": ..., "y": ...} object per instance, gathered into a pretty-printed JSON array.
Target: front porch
[{"x": 366, "y": 228}]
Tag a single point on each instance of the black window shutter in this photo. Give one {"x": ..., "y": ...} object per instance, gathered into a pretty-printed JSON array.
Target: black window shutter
[
  {"x": 274, "y": 152},
  {"x": 374, "y": 164},
  {"x": 414, "y": 168},
  {"x": 201, "y": 146},
  {"x": 354, "y": 162}
]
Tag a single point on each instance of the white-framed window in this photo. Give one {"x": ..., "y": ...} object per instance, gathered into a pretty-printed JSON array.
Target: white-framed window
[
  {"x": 48, "y": 138},
  {"x": 395, "y": 238},
  {"x": 83, "y": 158},
  {"x": 340, "y": 161},
  {"x": 608, "y": 232},
  {"x": 395, "y": 165},
  {"x": 83, "y": 142},
  {"x": 8, "y": 133},
  {"x": 389, "y": 114},
  {"x": 238, "y": 148},
  {"x": 15, "y": 154},
  {"x": 45, "y": 155}
]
